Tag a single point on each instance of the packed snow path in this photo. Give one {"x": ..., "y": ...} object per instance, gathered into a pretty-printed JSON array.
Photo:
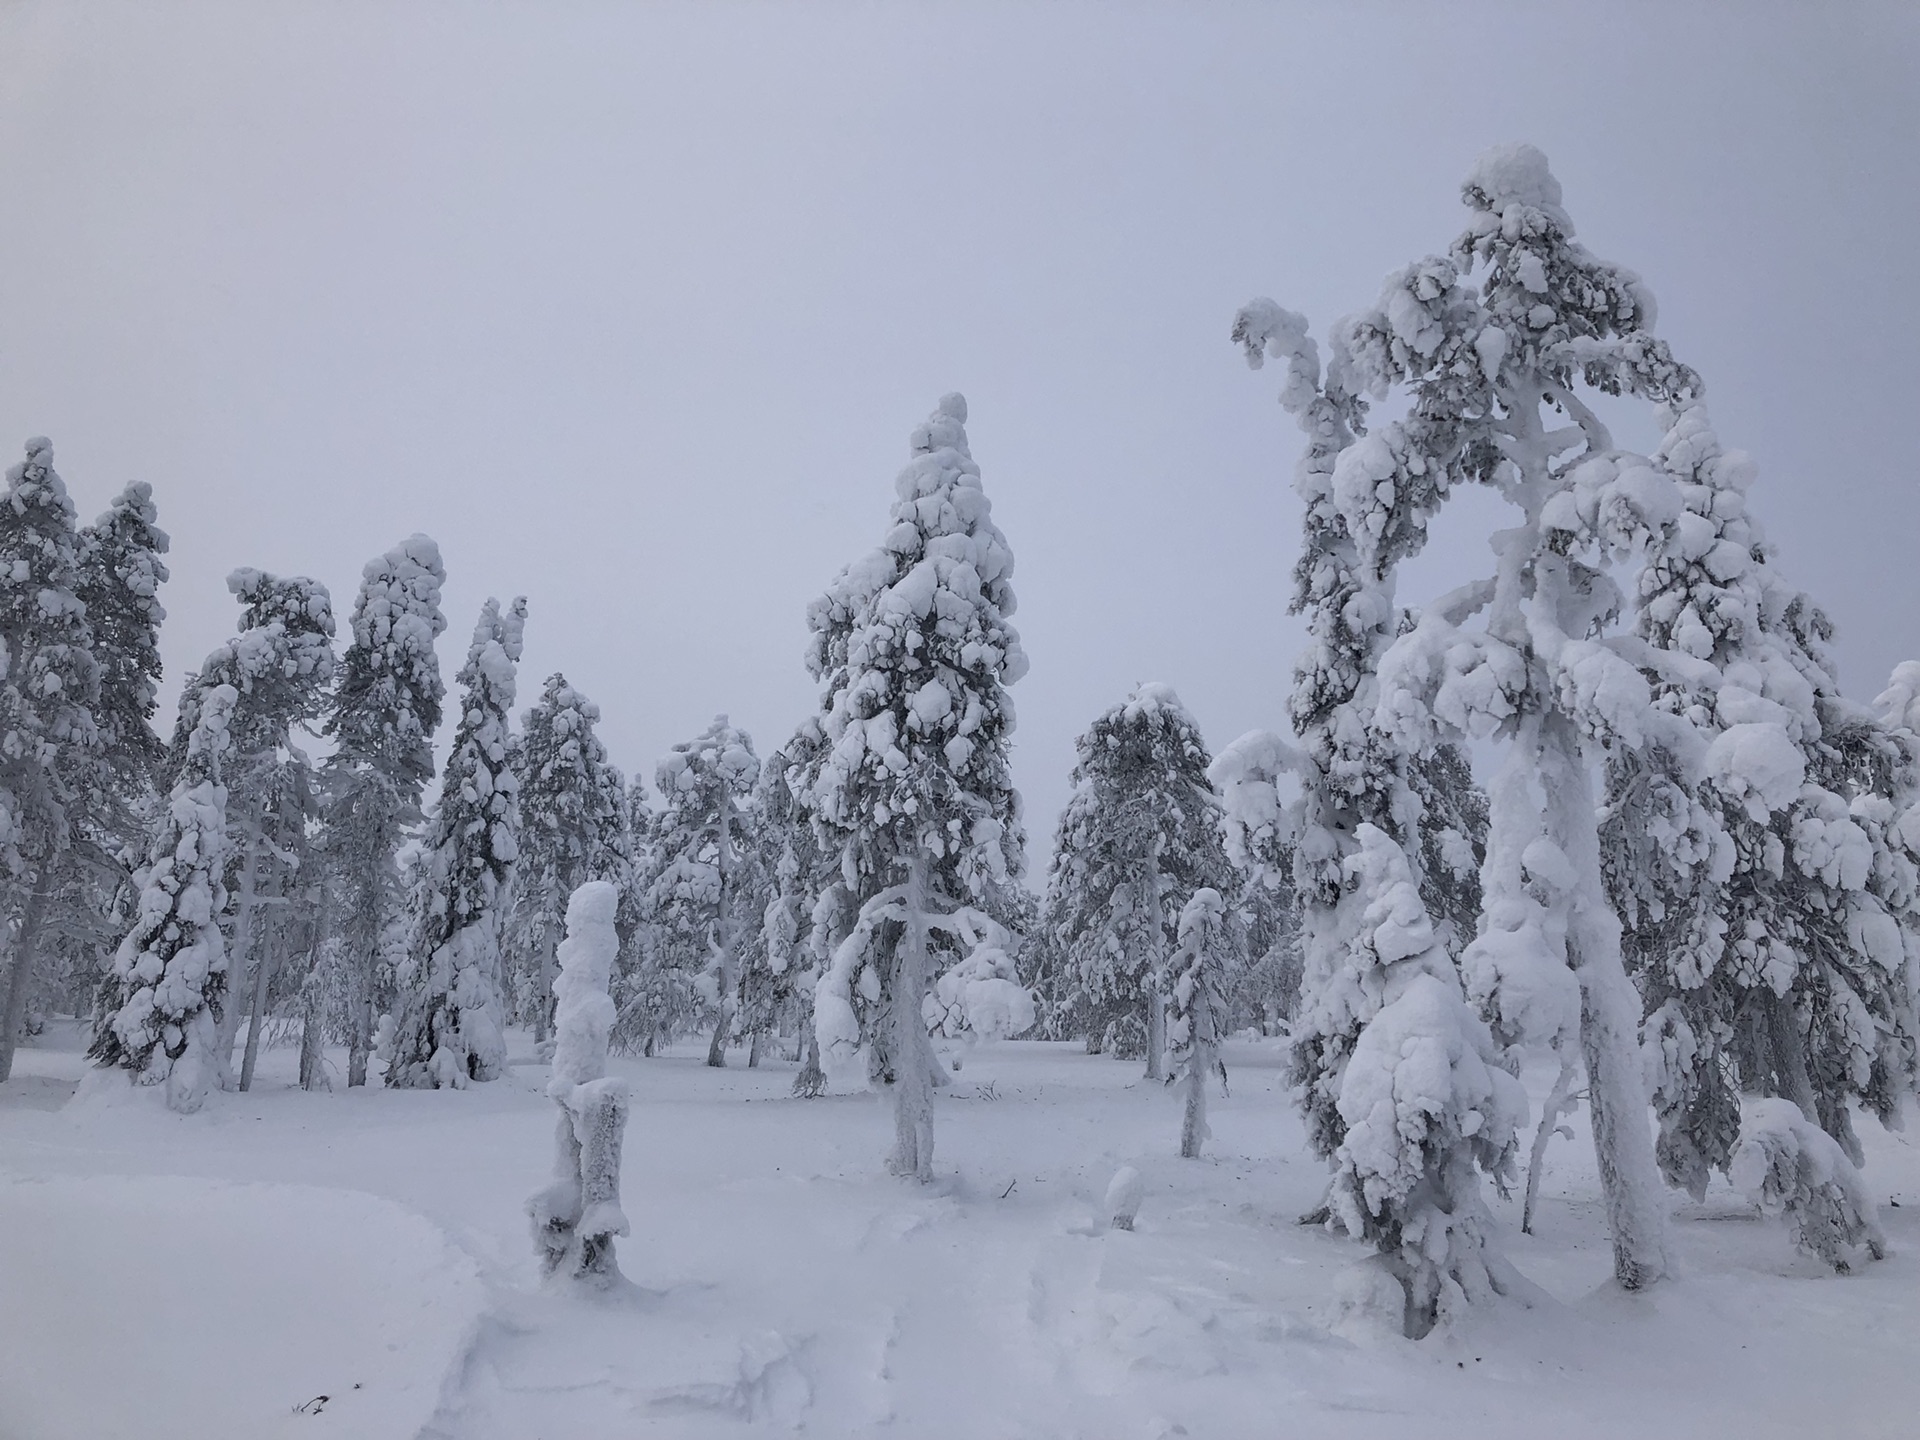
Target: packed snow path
[{"x": 785, "y": 1286}]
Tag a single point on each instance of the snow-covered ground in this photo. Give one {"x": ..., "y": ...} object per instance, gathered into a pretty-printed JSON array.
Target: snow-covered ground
[{"x": 371, "y": 1247}]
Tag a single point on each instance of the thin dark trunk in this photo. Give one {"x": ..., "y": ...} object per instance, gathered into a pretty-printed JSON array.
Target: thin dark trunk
[
  {"x": 257, "y": 1010},
  {"x": 26, "y": 947}
]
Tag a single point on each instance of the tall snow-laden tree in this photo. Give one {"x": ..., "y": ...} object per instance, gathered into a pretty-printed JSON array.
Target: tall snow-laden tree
[
  {"x": 1139, "y": 838},
  {"x": 1494, "y": 345},
  {"x": 799, "y": 873},
  {"x": 446, "y": 1026},
  {"x": 573, "y": 826},
  {"x": 702, "y": 885},
  {"x": 1197, "y": 1014},
  {"x": 279, "y": 666},
  {"x": 1427, "y": 1106},
  {"x": 51, "y": 770},
  {"x": 168, "y": 982},
  {"x": 915, "y": 650},
  {"x": 120, "y": 580},
  {"x": 381, "y": 720}
]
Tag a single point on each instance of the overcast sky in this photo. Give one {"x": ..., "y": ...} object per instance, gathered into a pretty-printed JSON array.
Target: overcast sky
[{"x": 633, "y": 308}]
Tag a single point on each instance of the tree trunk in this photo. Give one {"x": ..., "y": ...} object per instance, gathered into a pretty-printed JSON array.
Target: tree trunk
[
  {"x": 313, "y": 1067},
  {"x": 257, "y": 1009},
  {"x": 912, "y": 1057},
  {"x": 26, "y": 946},
  {"x": 1790, "y": 1057},
  {"x": 1559, "y": 1102},
  {"x": 1156, "y": 1029},
  {"x": 360, "y": 1025},
  {"x": 543, "y": 1015},
  {"x": 237, "y": 955},
  {"x": 723, "y": 936},
  {"x": 1609, "y": 1017}
]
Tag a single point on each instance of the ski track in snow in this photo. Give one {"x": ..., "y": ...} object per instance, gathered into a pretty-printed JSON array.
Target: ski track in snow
[{"x": 781, "y": 1284}]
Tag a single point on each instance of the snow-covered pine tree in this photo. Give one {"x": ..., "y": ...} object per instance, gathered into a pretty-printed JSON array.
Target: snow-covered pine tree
[
  {"x": 576, "y": 1218},
  {"x": 279, "y": 665},
  {"x": 1491, "y": 373},
  {"x": 1197, "y": 1010},
  {"x": 446, "y": 1030},
  {"x": 1139, "y": 838},
  {"x": 702, "y": 892},
  {"x": 1428, "y": 1107},
  {"x": 914, "y": 648},
  {"x": 573, "y": 827},
  {"x": 121, "y": 573},
  {"x": 168, "y": 982},
  {"x": 1757, "y": 859},
  {"x": 50, "y": 749},
  {"x": 381, "y": 719}
]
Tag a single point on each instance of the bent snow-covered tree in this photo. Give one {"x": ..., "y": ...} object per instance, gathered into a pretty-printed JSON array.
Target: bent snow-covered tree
[
  {"x": 446, "y": 1030},
  {"x": 381, "y": 719},
  {"x": 915, "y": 651},
  {"x": 1139, "y": 838},
  {"x": 1493, "y": 345}
]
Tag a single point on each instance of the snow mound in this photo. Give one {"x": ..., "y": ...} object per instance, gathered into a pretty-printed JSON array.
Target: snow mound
[{"x": 160, "y": 1306}]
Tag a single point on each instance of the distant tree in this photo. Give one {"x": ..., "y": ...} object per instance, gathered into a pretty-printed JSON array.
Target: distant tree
[
  {"x": 914, "y": 648},
  {"x": 446, "y": 1029},
  {"x": 1139, "y": 838},
  {"x": 573, "y": 826},
  {"x": 381, "y": 719},
  {"x": 703, "y": 886}
]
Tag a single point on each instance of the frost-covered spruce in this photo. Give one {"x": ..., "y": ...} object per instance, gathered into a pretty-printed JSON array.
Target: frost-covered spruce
[
  {"x": 121, "y": 573},
  {"x": 1139, "y": 838},
  {"x": 1494, "y": 345},
  {"x": 381, "y": 719},
  {"x": 576, "y": 1218},
  {"x": 1197, "y": 1011},
  {"x": 169, "y": 976},
  {"x": 915, "y": 649},
  {"x": 573, "y": 826},
  {"x": 447, "y": 1023},
  {"x": 702, "y": 888},
  {"x": 1428, "y": 1107},
  {"x": 50, "y": 749}
]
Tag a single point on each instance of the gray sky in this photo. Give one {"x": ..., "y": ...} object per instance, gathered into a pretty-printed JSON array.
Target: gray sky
[{"x": 633, "y": 309}]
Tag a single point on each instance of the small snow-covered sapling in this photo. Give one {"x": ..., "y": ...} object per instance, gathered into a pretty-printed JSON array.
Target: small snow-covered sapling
[
  {"x": 576, "y": 1218},
  {"x": 1123, "y": 1197}
]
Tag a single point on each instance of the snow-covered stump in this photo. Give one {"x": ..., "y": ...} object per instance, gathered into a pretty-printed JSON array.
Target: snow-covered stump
[
  {"x": 576, "y": 1218},
  {"x": 1788, "y": 1165}
]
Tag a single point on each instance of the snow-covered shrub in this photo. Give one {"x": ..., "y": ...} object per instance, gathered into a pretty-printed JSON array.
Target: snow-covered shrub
[
  {"x": 576, "y": 1218},
  {"x": 1788, "y": 1165}
]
